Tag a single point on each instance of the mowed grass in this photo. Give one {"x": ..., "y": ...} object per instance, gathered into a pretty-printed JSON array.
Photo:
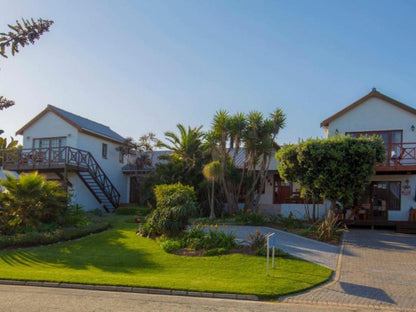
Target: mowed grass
[{"x": 119, "y": 257}]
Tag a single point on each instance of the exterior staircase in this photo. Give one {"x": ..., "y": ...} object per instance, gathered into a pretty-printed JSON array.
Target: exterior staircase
[{"x": 67, "y": 158}]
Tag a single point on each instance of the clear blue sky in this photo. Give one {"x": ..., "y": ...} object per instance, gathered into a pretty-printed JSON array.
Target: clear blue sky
[{"x": 141, "y": 66}]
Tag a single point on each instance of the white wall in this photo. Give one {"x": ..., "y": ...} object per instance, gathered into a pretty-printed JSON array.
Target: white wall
[
  {"x": 80, "y": 194},
  {"x": 111, "y": 165},
  {"x": 375, "y": 114},
  {"x": 50, "y": 125}
]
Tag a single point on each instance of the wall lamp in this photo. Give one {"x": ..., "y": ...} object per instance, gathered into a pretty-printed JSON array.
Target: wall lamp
[{"x": 412, "y": 128}]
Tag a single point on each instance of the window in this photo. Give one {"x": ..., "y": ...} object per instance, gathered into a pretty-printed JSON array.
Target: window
[
  {"x": 393, "y": 140},
  {"x": 104, "y": 150},
  {"x": 49, "y": 142},
  {"x": 120, "y": 157}
]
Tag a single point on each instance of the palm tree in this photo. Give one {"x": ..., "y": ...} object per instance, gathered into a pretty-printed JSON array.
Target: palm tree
[
  {"x": 188, "y": 146},
  {"x": 212, "y": 172}
]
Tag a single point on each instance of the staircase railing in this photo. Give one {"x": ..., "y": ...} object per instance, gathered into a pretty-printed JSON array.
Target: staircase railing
[{"x": 57, "y": 157}]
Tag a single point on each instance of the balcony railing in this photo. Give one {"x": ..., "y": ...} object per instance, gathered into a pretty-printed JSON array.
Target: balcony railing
[
  {"x": 59, "y": 158},
  {"x": 399, "y": 155}
]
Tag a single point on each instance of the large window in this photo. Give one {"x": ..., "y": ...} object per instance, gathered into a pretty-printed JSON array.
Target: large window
[
  {"x": 393, "y": 140},
  {"x": 49, "y": 142}
]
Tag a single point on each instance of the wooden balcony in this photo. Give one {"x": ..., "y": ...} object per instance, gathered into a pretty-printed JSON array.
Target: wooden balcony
[
  {"x": 45, "y": 159},
  {"x": 55, "y": 159},
  {"x": 400, "y": 157}
]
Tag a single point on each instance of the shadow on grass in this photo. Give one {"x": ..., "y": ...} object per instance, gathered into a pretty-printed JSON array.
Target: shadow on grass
[{"x": 107, "y": 251}]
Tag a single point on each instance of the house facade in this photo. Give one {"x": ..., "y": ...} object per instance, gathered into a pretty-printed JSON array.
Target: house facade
[
  {"x": 78, "y": 152},
  {"x": 283, "y": 198},
  {"x": 391, "y": 193}
]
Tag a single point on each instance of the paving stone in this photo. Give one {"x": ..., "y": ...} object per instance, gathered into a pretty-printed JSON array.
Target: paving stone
[{"x": 378, "y": 270}]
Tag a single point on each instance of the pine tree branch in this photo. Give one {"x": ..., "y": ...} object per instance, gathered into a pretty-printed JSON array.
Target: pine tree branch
[{"x": 21, "y": 34}]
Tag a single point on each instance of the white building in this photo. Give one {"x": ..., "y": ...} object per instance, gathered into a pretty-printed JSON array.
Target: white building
[
  {"x": 76, "y": 151},
  {"x": 391, "y": 193}
]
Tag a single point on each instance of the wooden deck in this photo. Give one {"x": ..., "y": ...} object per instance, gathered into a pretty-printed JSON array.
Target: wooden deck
[
  {"x": 400, "y": 158},
  {"x": 398, "y": 226}
]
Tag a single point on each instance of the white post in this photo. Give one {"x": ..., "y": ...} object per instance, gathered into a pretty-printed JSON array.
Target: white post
[
  {"x": 273, "y": 257},
  {"x": 268, "y": 251},
  {"x": 268, "y": 238}
]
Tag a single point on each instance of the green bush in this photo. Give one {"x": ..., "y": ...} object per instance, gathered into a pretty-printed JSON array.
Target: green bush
[
  {"x": 171, "y": 245},
  {"x": 175, "y": 204},
  {"x": 30, "y": 201},
  {"x": 198, "y": 238},
  {"x": 215, "y": 252},
  {"x": 289, "y": 222},
  {"x": 257, "y": 241},
  {"x": 133, "y": 211},
  {"x": 329, "y": 228},
  {"x": 43, "y": 238},
  {"x": 251, "y": 218}
]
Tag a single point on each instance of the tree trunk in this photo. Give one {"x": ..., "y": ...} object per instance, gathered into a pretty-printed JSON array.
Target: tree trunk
[{"x": 212, "y": 212}]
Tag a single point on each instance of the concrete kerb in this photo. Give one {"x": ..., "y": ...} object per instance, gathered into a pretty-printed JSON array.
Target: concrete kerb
[{"x": 150, "y": 291}]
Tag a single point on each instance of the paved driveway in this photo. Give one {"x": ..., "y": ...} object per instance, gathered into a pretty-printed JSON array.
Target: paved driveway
[
  {"x": 377, "y": 270},
  {"x": 298, "y": 246}
]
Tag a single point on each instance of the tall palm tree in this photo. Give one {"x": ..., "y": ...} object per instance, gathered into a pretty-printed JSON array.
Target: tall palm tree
[{"x": 212, "y": 172}]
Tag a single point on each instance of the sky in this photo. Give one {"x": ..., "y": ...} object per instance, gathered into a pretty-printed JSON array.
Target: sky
[{"x": 141, "y": 66}]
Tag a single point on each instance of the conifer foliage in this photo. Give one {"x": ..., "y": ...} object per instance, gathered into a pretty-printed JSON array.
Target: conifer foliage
[{"x": 22, "y": 34}]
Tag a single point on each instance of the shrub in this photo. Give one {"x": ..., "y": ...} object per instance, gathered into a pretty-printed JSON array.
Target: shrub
[
  {"x": 30, "y": 201},
  {"x": 132, "y": 211},
  {"x": 171, "y": 245},
  {"x": 251, "y": 218},
  {"x": 329, "y": 227},
  {"x": 43, "y": 238},
  {"x": 289, "y": 222},
  {"x": 215, "y": 252},
  {"x": 175, "y": 204},
  {"x": 197, "y": 238},
  {"x": 257, "y": 241}
]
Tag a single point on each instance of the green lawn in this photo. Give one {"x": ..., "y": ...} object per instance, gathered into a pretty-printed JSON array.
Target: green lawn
[{"x": 119, "y": 257}]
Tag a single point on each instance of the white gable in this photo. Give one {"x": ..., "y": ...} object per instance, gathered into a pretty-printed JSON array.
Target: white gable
[
  {"x": 48, "y": 126},
  {"x": 375, "y": 114}
]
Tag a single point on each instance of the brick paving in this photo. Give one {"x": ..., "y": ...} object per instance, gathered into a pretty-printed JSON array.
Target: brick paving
[{"x": 377, "y": 270}]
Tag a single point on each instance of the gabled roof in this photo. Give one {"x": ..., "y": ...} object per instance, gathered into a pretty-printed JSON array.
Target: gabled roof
[
  {"x": 373, "y": 94},
  {"x": 82, "y": 124}
]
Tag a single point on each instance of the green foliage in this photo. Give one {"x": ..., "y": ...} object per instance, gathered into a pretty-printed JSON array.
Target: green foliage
[
  {"x": 21, "y": 34},
  {"x": 5, "y": 145},
  {"x": 184, "y": 165},
  {"x": 30, "y": 201},
  {"x": 175, "y": 204},
  {"x": 251, "y": 218},
  {"x": 290, "y": 222},
  {"x": 257, "y": 241},
  {"x": 119, "y": 257},
  {"x": 197, "y": 238},
  {"x": 329, "y": 228},
  {"x": 133, "y": 211},
  {"x": 51, "y": 234},
  {"x": 337, "y": 168},
  {"x": 171, "y": 245},
  {"x": 229, "y": 133},
  {"x": 215, "y": 252}
]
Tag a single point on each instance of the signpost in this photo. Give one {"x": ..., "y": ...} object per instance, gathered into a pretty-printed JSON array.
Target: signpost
[{"x": 270, "y": 240}]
